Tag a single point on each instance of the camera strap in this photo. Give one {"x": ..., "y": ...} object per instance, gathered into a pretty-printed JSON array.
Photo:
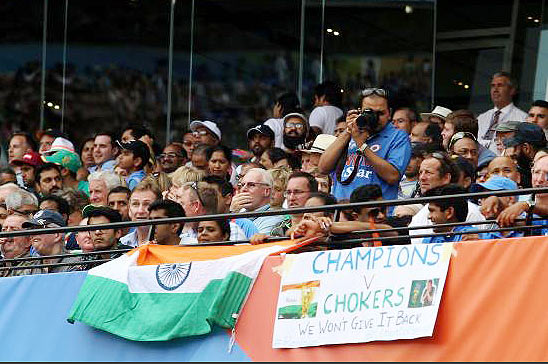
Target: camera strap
[{"x": 341, "y": 164}]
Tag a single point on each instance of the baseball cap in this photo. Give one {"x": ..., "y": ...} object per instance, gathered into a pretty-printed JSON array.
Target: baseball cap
[
  {"x": 138, "y": 148},
  {"x": 498, "y": 183},
  {"x": 65, "y": 159},
  {"x": 210, "y": 125},
  {"x": 260, "y": 129},
  {"x": 439, "y": 111},
  {"x": 43, "y": 218},
  {"x": 60, "y": 143},
  {"x": 321, "y": 143},
  {"x": 295, "y": 115},
  {"x": 94, "y": 211},
  {"x": 507, "y": 126},
  {"x": 526, "y": 133},
  {"x": 31, "y": 158}
]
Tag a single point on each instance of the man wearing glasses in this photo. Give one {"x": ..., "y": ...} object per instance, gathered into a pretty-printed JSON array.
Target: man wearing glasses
[
  {"x": 296, "y": 130},
  {"x": 15, "y": 247},
  {"x": 206, "y": 132},
  {"x": 173, "y": 156},
  {"x": 253, "y": 194},
  {"x": 372, "y": 153}
]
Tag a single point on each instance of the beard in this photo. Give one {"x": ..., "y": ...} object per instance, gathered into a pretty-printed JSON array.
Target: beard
[{"x": 292, "y": 142}]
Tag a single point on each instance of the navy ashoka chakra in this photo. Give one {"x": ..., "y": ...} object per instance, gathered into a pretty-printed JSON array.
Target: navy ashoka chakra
[{"x": 173, "y": 275}]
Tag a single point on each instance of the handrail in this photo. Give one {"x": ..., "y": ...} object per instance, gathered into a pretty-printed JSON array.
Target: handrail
[{"x": 127, "y": 224}]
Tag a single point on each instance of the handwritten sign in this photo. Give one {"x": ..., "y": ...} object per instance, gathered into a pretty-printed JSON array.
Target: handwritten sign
[{"x": 360, "y": 295}]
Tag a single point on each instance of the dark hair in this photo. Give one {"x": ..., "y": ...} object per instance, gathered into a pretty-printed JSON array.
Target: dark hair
[
  {"x": 433, "y": 131},
  {"x": 219, "y": 148},
  {"x": 84, "y": 143},
  {"x": 54, "y": 133},
  {"x": 120, "y": 189},
  {"x": 331, "y": 91},
  {"x": 224, "y": 225},
  {"x": 111, "y": 214},
  {"x": 172, "y": 209},
  {"x": 45, "y": 167},
  {"x": 289, "y": 102},
  {"x": 276, "y": 155},
  {"x": 7, "y": 170},
  {"x": 460, "y": 205},
  {"x": 138, "y": 130},
  {"x": 112, "y": 135},
  {"x": 29, "y": 139},
  {"x": 463, "y": 120},
  {"x": 411, "y": 113},
  {"x": 464, "y": 166},
  {"x": 540, "y": 103},
  {"x": 327, "y": 199},
  {"x": 62, "y": 205},
  {"x": 224, "y": 186},
  {"x": 312, "y": 183},
  {"x": 364, "y": 194}
]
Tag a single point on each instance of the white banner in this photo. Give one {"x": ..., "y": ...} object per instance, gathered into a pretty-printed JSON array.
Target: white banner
[{"x": 360, "y": 295}]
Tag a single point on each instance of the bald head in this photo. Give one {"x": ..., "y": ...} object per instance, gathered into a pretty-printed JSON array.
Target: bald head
[{"x": 505, "y": 167}]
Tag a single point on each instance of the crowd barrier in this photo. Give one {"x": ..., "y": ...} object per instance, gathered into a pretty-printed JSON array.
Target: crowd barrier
[{"x": 493, "y": 309}]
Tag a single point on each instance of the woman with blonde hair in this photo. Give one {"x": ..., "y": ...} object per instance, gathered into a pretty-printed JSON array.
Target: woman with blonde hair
[{"x": 280, "y": 176}]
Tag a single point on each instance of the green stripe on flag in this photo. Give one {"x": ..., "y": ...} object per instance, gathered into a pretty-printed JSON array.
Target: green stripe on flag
[{"x": 108, "y": 305}]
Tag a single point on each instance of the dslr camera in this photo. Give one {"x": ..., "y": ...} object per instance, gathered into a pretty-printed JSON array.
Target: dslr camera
[{"x": 368, "y": 120}]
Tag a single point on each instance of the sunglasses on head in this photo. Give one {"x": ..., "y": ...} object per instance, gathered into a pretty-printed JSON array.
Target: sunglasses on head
[{"x": 375, "y": 91}]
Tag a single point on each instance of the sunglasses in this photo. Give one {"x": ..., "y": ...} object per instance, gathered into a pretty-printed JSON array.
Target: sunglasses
[{"x": 375, "y": 91}]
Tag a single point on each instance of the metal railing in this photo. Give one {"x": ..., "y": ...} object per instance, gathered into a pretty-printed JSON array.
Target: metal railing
[{"x": 331, "y": 243}]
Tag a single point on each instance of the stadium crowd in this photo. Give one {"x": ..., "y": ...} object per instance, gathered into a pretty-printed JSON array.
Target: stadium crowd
[{"x": 294, "y": 159}]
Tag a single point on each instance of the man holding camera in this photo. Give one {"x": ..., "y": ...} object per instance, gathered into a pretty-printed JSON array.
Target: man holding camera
[{"x": 370, "y": 151}]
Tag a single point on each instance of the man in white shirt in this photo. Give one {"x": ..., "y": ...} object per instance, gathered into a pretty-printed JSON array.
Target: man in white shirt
[
  {"x": 285, "y": 104},
  {"x": 437, "y": 170},
  {"x": 503, "y": 90},
  {"x": 327, "y": 102}
]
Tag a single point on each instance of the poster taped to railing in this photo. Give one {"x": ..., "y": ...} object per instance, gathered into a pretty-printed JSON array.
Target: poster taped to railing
[{"x": 360, "y": 295}]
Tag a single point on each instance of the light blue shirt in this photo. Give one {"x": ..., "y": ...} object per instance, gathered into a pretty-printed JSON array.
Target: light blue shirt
[
  {"x": 390, "y": 144},
  {"x": 449, "y": 238},
  {"x": 247, "y": 226},
  {"x": 265, "y": 224},
  {"x": 133, "y": 179},
  {"x": 106, "y": 166}
]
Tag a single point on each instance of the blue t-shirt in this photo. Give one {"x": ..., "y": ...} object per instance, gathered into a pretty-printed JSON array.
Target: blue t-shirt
[
  {"x": 247, "y": 226},
  {"x": 448, "y": 238},
  {"x": 133, "y": 179},
  {"x": 390, "y": 144}
]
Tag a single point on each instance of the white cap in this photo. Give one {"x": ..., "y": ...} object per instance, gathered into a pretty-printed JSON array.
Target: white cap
[
  {"x": 210, "y": 125},
  {"x": 60, "y": 143},
  {"x": 321, "y": 143},
  {"x": 439, "y": 111}
]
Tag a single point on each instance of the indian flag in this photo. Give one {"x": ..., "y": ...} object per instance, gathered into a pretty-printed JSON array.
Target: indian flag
[{"x": 157, "y": 293}]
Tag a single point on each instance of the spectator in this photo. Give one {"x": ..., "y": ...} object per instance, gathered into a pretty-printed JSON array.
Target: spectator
[
  {"x": 104, "y": 152},
  {"x": 522, "y": 147},
  {"x": 296, "y": 131},
  {"x": 21, "y": 202},
  {"x": 20, "y": 144},
  {"x": 465, "y": 145},
  {"x": 280, "y": 177},
  {"x": 219, "y": 159},
  {"x": 48, "y": 179},
  {"x": 15, "y": 247},
  {"x": 404, "y": 118},
  {"x": 504, "y": 167},
  {"x": 179, "y": 179},
  {"x": 427, "y": 134},
  {"x": 59, "y": 144},
  {"x": 254, "y": 191},
  {"x": 166, "y": 234},
  {"x": 196, "y": 201},
  {"x": 206, "y": 132},
  {"x": 77, "y": 200},
  {"x": 173, "y": 156},
  {"x": 86, "y": 153},
  {"x": 324, "y": 180},
  {"x": 213, "y": 231},
  {"x": 57, "y": 204},
  {"x": 47, "y": 138},
  {"x": 538, "y": 114},
  {"x": 327, "y": 108},
  {"x": 340, "y": 127},
  {"x": 503, "y": 90},
  {"x": 274, "y": 158},
  {"x": 70, "y": 164},
  {"x": 465, "y": 171},
  {"x": 189, "y": 141},
  {"x": 448, "y": 211},
  {"x": 437, "y": 116},
  {"x": 311, "y": 157},
  {"x": 139, "y": 132},
  {"x": 368, "y": 155},
  {"x": 48, "y": 244},
  {"x": 26, "y": 168},
  {"x": 118, "y": 199},
  {"x": 7, "y": 174},
  {"x": 409, "y": 185},
  {"x": 133, "y": 158},
  {"x": 259, "y": 139},
  {"x": 437, "y": 170},
  {"x": 142, "y": 196},
  {"x": 83, "y": 238},
  {"x": 199, "y": 157},
  {"x": 286, "y": 103},
  {"x": 503, "y": 131},
  {"x": 100, "y": 183}
]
